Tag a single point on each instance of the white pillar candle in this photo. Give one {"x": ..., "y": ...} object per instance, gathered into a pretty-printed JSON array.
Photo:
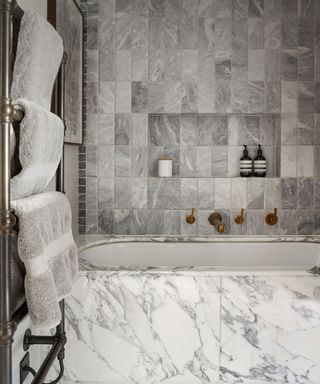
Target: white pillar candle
[{"x": 164, "y": 167}]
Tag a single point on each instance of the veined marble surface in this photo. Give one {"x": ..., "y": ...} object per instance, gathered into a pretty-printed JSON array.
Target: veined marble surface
[{"x": 86, "y": 241}]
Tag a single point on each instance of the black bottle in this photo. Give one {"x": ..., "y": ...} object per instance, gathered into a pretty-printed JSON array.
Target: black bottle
[
  {"x": 259, "y": 164},
  {"x": 245, "y": 164}
]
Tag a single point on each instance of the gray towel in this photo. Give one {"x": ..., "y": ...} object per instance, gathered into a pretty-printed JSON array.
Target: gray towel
[
  {"x": 40, "y": 149},
  {"x": 48, "y": 251}
]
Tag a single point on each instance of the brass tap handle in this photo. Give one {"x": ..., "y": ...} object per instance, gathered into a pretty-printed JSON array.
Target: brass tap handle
[
  {"x": 190, "y": 219},
  {"x": 272, "y": 218},
  {"x": 240, "y": 218}
]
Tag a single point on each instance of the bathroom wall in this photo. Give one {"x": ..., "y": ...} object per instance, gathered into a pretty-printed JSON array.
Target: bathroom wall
[{"x": 194, "y": 80}]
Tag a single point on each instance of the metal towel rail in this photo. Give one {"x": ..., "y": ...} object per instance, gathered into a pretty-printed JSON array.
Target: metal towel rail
[{"x": 10, "y": 17}]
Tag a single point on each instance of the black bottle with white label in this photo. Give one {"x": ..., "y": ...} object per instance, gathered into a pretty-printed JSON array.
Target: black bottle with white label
[
  {"x": 245, "y": 164},
  {"x": 259, "y": 164}
]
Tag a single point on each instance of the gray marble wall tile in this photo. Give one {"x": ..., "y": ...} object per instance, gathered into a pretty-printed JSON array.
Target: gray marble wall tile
[
  {"x": 289, "y": 33},
  {"x": 92, "y": 35},
  {"x": 255, "y": 33},
  {"x": 140, "y": 33},
  {"x": 306, "y": 65},
  {"x": 306, "y": 33},
  {"x": 139, "y": 100},
  {"x": 139, "y": 65},
  {"x": 189, "y": 24},
  {"x": 206, "y": 65},
  {"x": 107, "y": 65},
  {"x": 173, "y": 193},
  {"x": 288, "y": 222},
  {"x": 289, "y": 8},
  {"x": 173, "y": 97},
  {"x": 316, "y": 194},
  {"x": 238, "y": 229},
  {"x": 92, "y": 65},
  {"x": 139, "y": 199},
  {"x": 223, "y": 34},
  {"x": 138, "y": 222},
  {"x": 272, "y": 98},
  {"x": 206, "y": 193},
  {"x": 204, "y": 130},
  {"x": 239, "y": 193},
  {"x": 206, "y": 8},
  {"x": 306, "y": 8},
  {"x": 156, "y": 65},
  {"x": 256, "y": 67},
  {"x": 155, "y": 225},
  {"x": 204, "y": 161},
  {"x": 289, "y": 96},
  {"x": 317, "y": 160},
  {"x": 173, "y": 64},
  {"x": 122, "y": 222},
  {"x": 206, "y": 32},
  {"x": 92, "y": 169},
  {"x": 156, "y": 193},
  {"x": 305, "y": 193},
  {"x": 204, "y": 227},
  {"x": 305, "y": 161},
  {"x": 240, "y": 34},
  {"x": 289, "y": 129},
  {"x": 223, "y": 95},
  {"x": 92, "y": 97},
  {"x": 316, "y": 222},
  {"x": 223, "y": 9},
  {"x": 156, "y": 33},
  {"x": 304, "y": 222},
  {"x": 123, "y": 7},
  {"x": 164, "y": 130},
  {"x": 154, "y": 154},
  {"x": 306, "y": 133},
  {"x": 256, "y": 8},
  {"x": 106, "y": 25},
  {"x": 272, "y": 195},
  {"x": 189, "y": 96},
  {"x": 106, "y": 97},
  {"x": 139, "y": 160},
  {"x": 173, "y": 24},
  {"x": 317, "y": 128},
  {"x": 267, "y": 130},
  {"x": 223, "y": 64},
  {"x": 189, "y": 193},
  {"x": 289, "y": 193},
  {"x": 188, "y": 128},
  {"x": 123, "y": 65},
  {"x": 272, "y": 64},
  {"x": 139, "y": 124},
  {"x": 186, "y": 228},
  {"x": 255, "y": 222},
  {"x": 156, "y": 98},
  {"x": 256, "y": 96},
  {"x": 123, "y": 192},
  {"x": 240, "y": 9},
  {"x": 171, "y": 152},
  {"x": 272, "y": 8},
  {"x": 106, "y": 193},
  {"x": 239, "y": 96},
  {"x": 189, "y": 61},
  {"x": 123, "y": 97},
  {"x": 123, "y": 129},
  {"x": 222, "y": 196},
  {"x": 305, "y": 96},
  {"x": 188, "y": 161},
  {"x": 122, "y": 161},
  {"x": 234, "y": 154},
  {"x": 172, "y": 222},
  {"x": 289, "y": 65},
  {"x": 256, "y": 191},
  {"x": 272, "y": 32},
  {"x": 123, "y": 31},
  {"x": 289, "y": 161},
  {"x": 206, "y": 93},
  {"x": 239, "y": 65},
  {"x": 91, "y": 131},
  {"x": 106, "y": 221},
  {"x": 106, "y": 161},
  {"x": 220, "y": 161}
]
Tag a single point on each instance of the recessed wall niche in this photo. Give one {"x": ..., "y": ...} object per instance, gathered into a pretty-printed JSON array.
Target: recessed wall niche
[{"x": 211, "y": 145}]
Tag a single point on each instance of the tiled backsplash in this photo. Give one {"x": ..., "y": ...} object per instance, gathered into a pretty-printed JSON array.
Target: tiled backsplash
[{"x": 194, "y": 80}]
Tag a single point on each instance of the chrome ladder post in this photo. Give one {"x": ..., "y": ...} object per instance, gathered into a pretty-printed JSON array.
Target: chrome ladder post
[{"x": 7, "y": 325}]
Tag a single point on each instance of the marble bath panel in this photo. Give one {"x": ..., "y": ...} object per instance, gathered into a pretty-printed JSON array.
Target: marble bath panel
[
  {"x": 268, "y": 330},
  {"x": 144, "y": 329}
]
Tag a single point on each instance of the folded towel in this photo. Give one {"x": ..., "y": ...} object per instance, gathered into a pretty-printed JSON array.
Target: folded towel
[
  {"x": 39, "y": 54},
  {"x": 48, "y": 251},
  {"x": 40, "y": 149}
]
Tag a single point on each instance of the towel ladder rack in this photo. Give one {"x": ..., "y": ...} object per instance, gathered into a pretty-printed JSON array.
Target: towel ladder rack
[{"x": 10, "y": 17}]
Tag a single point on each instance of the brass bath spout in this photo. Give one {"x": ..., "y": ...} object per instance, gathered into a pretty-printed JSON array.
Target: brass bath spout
[
  {"x": 272, "y": 218},
  {"x": 215, "y": 219}
]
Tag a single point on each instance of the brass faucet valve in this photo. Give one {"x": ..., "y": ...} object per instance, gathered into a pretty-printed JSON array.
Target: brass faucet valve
[
  {"x": 240, "y": 218},
  {"x": 190, "y": 219},
  {"x": 272, "y": 218}
]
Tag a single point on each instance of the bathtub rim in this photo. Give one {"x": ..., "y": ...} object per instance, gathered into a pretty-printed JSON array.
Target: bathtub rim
[{"x": 85, "y": 242}]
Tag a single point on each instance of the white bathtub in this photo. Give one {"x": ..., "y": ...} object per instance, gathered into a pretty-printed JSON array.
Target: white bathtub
[{"x": 228, "y": 256}]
